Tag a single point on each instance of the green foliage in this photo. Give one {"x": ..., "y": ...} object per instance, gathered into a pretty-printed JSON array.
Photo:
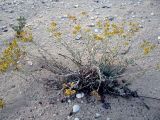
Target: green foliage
[{"x": 21, "y": 24}]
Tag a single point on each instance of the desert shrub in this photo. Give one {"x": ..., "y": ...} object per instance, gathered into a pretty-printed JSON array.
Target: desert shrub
[
  {"x": 10, "y": 56},
  {"x": 102, "y": 48},
  {"x": 22, "y": 32},
  {"x": 12, "y": 53},
  {"x": 99, "y": 55},
  {"x": 147, "y": 47}
]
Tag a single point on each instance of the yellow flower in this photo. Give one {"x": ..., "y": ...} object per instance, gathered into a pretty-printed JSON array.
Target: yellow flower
[
  {"x": 77, "y": 28},
  {"x": 57, "y": 34},
  {"x": 146, "y": 50},
  {"x": 126, "y": 43},
  {"x": 53, "y": 26},
  {"x": 26, "y": 36},
  {"x": 147, "y": 47},
  {"x": 74, "y": 32},
  {"x": 98, "y": 37},
  {"x": 87, "y": 30},
  {"x": 10, "y": 56},
  {"x": 2, "y": 103},
  {"x": 69, "y": 92},
  {"x": 72, "y": 84},
  {"x": 72, "y": 17},
  {"x": 99, "y": 24},
  {"x": 83, "y": 13}
]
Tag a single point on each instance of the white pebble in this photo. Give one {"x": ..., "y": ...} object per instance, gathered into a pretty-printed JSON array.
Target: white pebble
[
  {"x": 76, "y": 6},
  {"x": 96, "y": 30},
  {"x": 76, "y": 118},
  {"x": 76, "y": 108},
  {"x": 30, "y": 63},
  {"x": 80, "y": 95},
  {"x": 98, "y": 115},
  {"x": 78, "y": 37},
  {"x": 91, "y": 25},
  {"x": 152, "y": 13},
  {"x": 108, "y": 118}
]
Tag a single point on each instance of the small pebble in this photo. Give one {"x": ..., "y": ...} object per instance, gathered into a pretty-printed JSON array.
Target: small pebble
[
  {"x": 96, "y": 30},
  {"x": 140, "y": 26},
  {"x": 76, "y": 108},
  {"x": 97, "y": 115},
  {"x": 80, "y": 95},
  {"x": 111, "y": 18},
  {"x": 69, "y": 101},
  {"x": 108, "y": 118},
  {"x": 152, "y": 13},
  {"x": 76, "y": 118},
  {"x": 30, "y": 63},
  {"x": 4, "y": 29},
  {"x": 158, "y": 37},
  {"x": 91, "y": 25},
  {"x": 76, "y": 6},
  {"x": 78, "y": 37}
]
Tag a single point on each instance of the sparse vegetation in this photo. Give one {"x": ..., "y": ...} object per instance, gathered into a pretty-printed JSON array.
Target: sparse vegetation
[
  {"x": 11, "y": 55},
  {"x": 2, "y": 103},
  {"x": 22, "y": 33},
  {"x": 98, "y": 58}
]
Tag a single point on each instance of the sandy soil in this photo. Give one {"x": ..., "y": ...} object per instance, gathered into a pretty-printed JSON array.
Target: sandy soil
[{"x": 26, "y": 99}]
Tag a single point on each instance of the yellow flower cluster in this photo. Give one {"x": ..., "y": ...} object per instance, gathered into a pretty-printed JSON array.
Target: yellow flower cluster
[
  {"x": 54, "y": 30},
  {"x": 112, "y": 29},
  {"x": 68, "y": 91},
  {"x": 98, "y": 37},
  {"x": 10, "y": 56},
  {"x": 25, "y": 36},
  {"x": 76, "y": 29},
  {"x": 2, "y": 103},
  {"x": 71, "y": 17},
  {"x": 147, "y": 47},
  {"x": 53, "y": 26}
]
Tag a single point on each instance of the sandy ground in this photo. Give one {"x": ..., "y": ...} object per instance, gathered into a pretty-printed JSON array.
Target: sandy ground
[{"x": 26, "y": 99}]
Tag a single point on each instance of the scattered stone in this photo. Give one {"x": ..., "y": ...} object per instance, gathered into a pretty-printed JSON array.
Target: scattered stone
[
  {"x": 4, "y": 29},
  {"x": 92, "y": 10},
  {"x": 158, "y": 37},
  {"x": 91, "y": 25},
  {"x": 111, "y": 18},
  {"x": 108, "y": 118},
  {"x": 92, "y": 18},
  {"x": 97, "y": 13},
  {"x": 80, "y": 95},
  {"x": 76, "y": 118},
  {"x": 140, "y": 26},
  {"x": 30, "y": 63},
  {"x": 142, "y": 21},
  {"x": 107, "y": 6},
  {"x": 68, "y": 117},
  {"x": 69, "y": 101},
  {"x": 76, "y": 6},
  {"x": 97, "y": 1},
  {"x": 152, "y": 14},
  {"x": 96, "y": 30},
  {"x": 76, "y": 108},
  {"x": 97, "y": 115},
  {"x": 64, "y": 16},
  {"x": 133, "y": 16},
  {"x": 78, "y": 37}
]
